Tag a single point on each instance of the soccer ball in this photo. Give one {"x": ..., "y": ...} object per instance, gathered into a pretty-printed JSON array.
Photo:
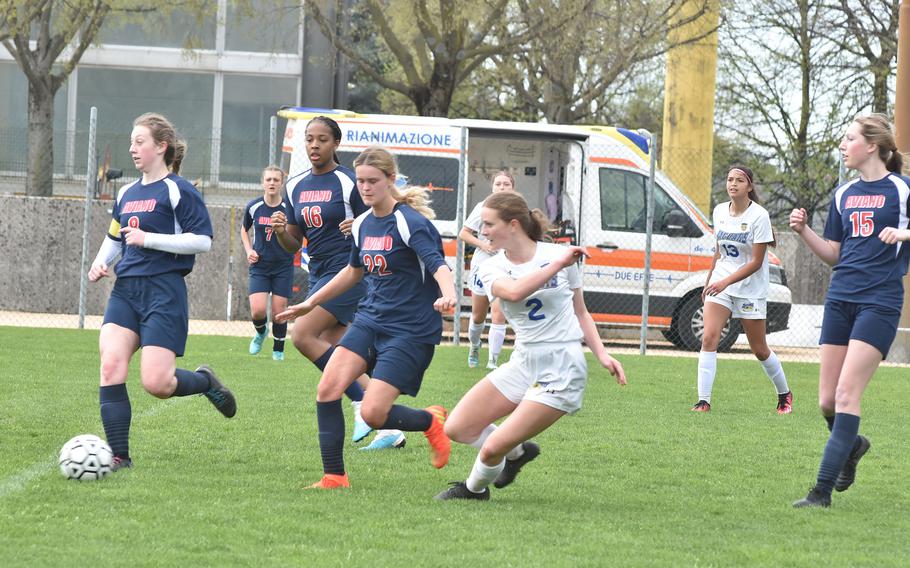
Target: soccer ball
[{"x": 86, "y": 457}]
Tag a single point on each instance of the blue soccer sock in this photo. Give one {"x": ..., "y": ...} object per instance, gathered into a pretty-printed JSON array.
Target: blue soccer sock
[
  {"x": 837, "y": 450},
  {"x": 116, "y": 414},
  {"x": 331, "y": 436},
  {"x": 353, "y": 392},
  {"x": 408, "y": 419},
  {"x": 830, "y": 421},
  {"x": 190, "y": 382},
  {"x": 279, "y": 331}
]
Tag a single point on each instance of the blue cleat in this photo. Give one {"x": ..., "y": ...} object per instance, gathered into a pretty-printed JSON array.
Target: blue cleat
[
  {"x": 474, "y": 356},
  {"x": 256, "y": 343},
  {"x": 387, "y": 440},
  {"x": 278, "y": 355},
  {"x": 361, "y": 428}
]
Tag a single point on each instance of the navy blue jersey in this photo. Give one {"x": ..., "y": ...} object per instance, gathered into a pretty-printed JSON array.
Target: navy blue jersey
[
  {"x": 399, "y": 254},
  {"x": 319, "y": 203},
  {"x": 868, "y": 270},
  {"x": 258, "y": 214},
  {"x": 169, "y": 206}
]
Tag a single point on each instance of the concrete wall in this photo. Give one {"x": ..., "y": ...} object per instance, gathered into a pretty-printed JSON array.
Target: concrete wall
[
  {"x": 41, "y": 260},
  {"x": 807, "y": 276}
]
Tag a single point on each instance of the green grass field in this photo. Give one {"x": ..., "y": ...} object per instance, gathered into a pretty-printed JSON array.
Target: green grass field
[{"x": 633, "y": 479}]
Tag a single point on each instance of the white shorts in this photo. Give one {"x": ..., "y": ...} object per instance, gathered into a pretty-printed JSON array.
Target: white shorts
[
  {"x": 554, "y": 374},
  {"x": 741, "y": 308}
]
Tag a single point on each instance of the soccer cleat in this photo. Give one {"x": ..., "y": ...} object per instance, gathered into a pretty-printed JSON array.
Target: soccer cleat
[
  {"x": 785, "y": 403},
  {"x": 218, "y": 394},
  {"x": 256, "y": 343},
  {"x": 277, "y": 355},
  {"x": 387, "y": 440},
  {"x": 331, "y": 481},
  {"x": 120, "y": 463},
  {"x": 474, "y": 356},
  {"x": 848, "y": 475},
  {"x": 702, "y": 406},
  {"x": 508, "y": 474},
  {"x": 459, "y": 490},
  {"x": 361, "y": 428},
  {"x": 815, "y": 498},
  {"x": 440, "y": 445}
]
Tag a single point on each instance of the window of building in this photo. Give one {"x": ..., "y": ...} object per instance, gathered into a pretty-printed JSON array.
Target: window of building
[
  {"x": 266, "y": 26},
  {"x": 177, "y": 29}
]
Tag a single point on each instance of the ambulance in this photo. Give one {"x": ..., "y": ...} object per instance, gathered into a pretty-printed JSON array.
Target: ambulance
[{"x": 591, "y": 181}]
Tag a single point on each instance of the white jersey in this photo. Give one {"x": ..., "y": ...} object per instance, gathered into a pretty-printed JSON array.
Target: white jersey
[
  {"x": 735, "y": 237},
  {"x": 547, "y": 315},
  {"x": 474, "y": 222}
]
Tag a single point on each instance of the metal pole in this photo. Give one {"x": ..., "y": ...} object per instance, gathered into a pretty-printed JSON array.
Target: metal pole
[
  {"x": 90, "y": 174},
  {"x": 230, "y": 275},
  {"x": 273, "y": 136},
  {"x": 841, "y": 171},
  {"x": 900, "y": 352},
  {"x": 649, "y": 222},
  {"x": 459, "y": 220}
]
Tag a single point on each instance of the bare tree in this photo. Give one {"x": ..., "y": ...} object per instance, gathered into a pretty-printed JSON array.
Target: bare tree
[
  {"x": 781, "y": 95},
  {"x": 437, "y": 45},
  {"x": 48, "y": 47}
]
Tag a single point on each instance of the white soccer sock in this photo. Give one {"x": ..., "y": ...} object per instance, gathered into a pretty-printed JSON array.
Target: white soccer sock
[
  {"x": 707, "y": 368},
  {"x": 483, "y": 475},
  {"x": 478, "y": 443},
  {"x": 775, "y": 372},
  {"x": 497, "y": 336},
  {"x": 516, "y": 452},
  {"x": 475, "y": 330}
]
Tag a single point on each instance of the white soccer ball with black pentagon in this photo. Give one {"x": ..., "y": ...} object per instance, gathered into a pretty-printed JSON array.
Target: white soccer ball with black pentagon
[{"x": 86, "y": 458}]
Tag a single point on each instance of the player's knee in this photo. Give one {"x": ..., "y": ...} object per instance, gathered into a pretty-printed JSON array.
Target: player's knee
[
  {"x": 458, "y": 433},
  {"x": 113, "y": 369},
  {"x": 157, "y": 385},
  {"x": 710, "y": 340},
  {"x": 761, "y": 352},
  {"x": 844, "y": 397},
  {"x": 374, "y": 415},
  {"x": 329, "y": 389},
  {"x": 492, "y": 452}
]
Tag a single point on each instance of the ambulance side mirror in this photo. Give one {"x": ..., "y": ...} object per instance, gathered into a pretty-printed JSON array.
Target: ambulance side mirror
[{"x": 677, "y": 224}]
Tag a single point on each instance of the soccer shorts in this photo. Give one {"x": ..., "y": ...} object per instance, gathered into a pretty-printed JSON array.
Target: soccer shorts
[
  {"x": 741, "y": 308},
  {"x": 155, "y": 307},
  {"x": 398, "y": 361},
  {"x": 342, "y": 307},
  {"x": 869, "y": 323},
  {"x": 554, "y": 374},
  {"x": 274, "y": 278}
]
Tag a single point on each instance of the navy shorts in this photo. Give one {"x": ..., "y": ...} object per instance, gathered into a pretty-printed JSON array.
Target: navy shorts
[
  {"x": 155, "y": 307},
  {"x": 274, "y": 278},
  {"x": 397, "y": 361},
  {"x": 869, "y": 323},
  {"x": 344, "y": 306}
]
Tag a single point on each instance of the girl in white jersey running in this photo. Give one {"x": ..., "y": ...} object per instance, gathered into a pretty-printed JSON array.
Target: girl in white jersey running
[
  {"x": 539, "y": 286},
  {"x": 737, "y": 286},
  {"x": 480, "y": 304}
]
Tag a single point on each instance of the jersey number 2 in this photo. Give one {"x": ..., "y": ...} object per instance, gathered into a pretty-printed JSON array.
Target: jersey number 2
[
  {"x": 862, "y": 223},
  {"x": 535, "y": 305}
]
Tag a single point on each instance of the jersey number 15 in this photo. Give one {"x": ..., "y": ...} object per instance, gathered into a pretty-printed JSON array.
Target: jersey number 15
[{"x": 862, "y": 223}]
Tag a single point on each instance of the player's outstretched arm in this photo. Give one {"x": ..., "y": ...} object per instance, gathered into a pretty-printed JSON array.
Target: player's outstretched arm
[
  {"x": 828, "y": 251},
  {"x": 592, "y": 338},
  {"x": 341, "y": 283},
  {"x": 519, "y": 289}
]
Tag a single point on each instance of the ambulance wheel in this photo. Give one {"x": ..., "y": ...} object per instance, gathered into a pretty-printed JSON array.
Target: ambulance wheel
[{"x": 689, "y": 324}]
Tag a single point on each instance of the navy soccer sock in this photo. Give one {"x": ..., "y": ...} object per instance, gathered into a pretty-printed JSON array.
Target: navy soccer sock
[
  {"x": 353, "y": 392},
  {"x": 331, "y": 436},
  {"x": 260, "y": 325},
  {"x": 190, "y": 382},
  {"x": 116, "y": 414},
  {"x": 407, "y": 419},
  {"x": 830, "y": 421},
  {"x": 279, "y": 331},
  {"x": 837, "y": 450}
]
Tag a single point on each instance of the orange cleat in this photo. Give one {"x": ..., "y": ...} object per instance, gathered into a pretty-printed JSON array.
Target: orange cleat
[
  {"x": 331, "y": 481},
  {"x": 440, "y": 445}
]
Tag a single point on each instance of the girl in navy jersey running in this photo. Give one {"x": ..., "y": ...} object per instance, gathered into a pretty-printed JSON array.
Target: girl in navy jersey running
[
  {"x": 737, "y": 286},
  {"x": 396, "y": 330},
  {"x": 480, "y": 304},
  {"x": 539, "y": 285},
  {"x": 271, "y": 267},
  {"x": 323, "y": 204},
  {"x": 865, "y": 241},
  {"x": 159, "y": 224}
]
